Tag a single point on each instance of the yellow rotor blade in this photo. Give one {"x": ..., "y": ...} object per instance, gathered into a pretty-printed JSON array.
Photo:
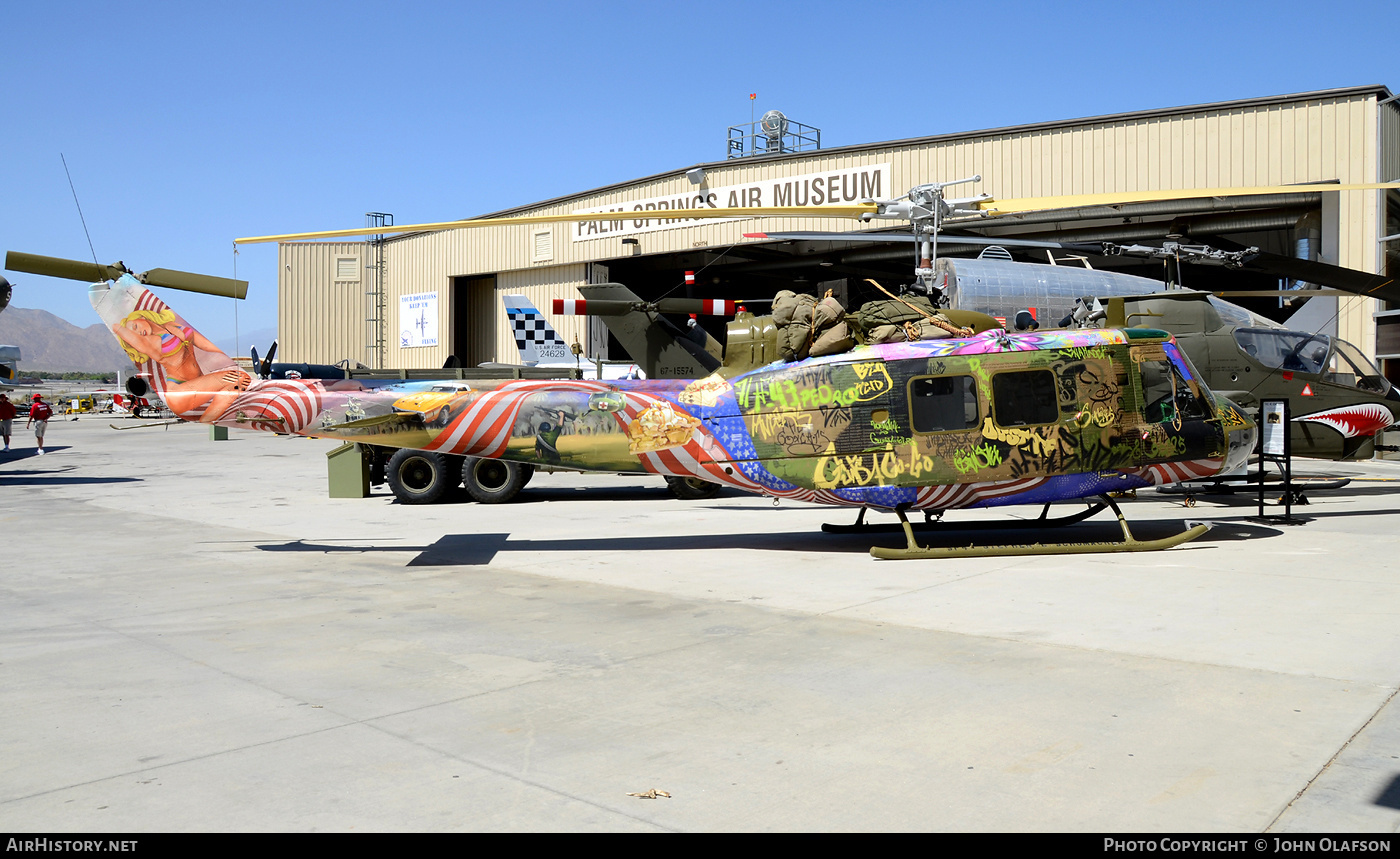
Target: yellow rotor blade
[
  {"x": 648, "y": 214},
  {"x": 1075, "y": 201}
]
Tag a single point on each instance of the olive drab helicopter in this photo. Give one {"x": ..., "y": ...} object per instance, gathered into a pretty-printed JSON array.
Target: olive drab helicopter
[
  {"x": 1339, "y": 400},
  {"x": 977, "y": 417}
]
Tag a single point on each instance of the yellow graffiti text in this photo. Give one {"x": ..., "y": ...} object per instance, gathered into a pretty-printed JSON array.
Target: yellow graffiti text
[
  {"x": 881, "y": 468},
  {"x": 1095, "y": 414},
  {"x": 874, "y": 380},
  {"x": 1039, "y": 441}
]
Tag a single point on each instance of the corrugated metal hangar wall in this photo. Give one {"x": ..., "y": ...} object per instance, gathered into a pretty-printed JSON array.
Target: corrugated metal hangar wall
[{"x": 327, "y": 290}]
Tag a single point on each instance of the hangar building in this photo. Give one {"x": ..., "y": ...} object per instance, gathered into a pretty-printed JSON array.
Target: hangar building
[{"x": 413, "y": 300}]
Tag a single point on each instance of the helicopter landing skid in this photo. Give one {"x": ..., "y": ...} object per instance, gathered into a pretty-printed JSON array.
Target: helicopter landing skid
[
  {"x": 1221, "y": 487},
  {"x": 860, "y": 526},
  {"x": 1128, "y": 544}
]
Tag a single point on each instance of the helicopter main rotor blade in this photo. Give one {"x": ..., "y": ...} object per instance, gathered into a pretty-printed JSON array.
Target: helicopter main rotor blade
[
  {"x": 863, "y": 211},
  {"x": 68, "y": 269},
  {"x": 1074, "y": 201},
  {"x": 88, "y": 272},
  {"x": 192, "y": 282},
  {"x": 1325, "y": 274},
  {"x": 1349, "y": 280},
  {"x": 646, "y": 215},
  {"x": 1007, "y": 242}
]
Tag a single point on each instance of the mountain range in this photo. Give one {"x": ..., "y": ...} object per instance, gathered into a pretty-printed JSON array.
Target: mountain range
[{"x": 49, "y": 342}]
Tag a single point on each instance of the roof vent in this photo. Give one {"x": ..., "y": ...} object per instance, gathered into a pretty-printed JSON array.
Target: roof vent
[{"x": 995, "y": 252}]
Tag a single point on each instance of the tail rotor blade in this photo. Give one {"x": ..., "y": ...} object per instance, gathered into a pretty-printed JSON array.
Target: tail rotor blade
[
  {"x": 698, "y": 306},
  {"x": 613, "y": 307}
]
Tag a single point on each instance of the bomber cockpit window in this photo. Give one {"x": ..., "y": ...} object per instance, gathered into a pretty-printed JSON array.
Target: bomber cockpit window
[
  {"x": 943, "y": 403},
  {"x": 1285, "y": 350},
  {"x": 1024, "y": 398}
]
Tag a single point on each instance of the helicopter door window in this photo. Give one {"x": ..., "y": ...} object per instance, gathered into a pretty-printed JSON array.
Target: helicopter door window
[
  {"x": 943, "y": 403},
  {"x": 1025, "y": 398},
  {"x": 1166, "y": 395},
  {"x": 1284, "y": 350}
]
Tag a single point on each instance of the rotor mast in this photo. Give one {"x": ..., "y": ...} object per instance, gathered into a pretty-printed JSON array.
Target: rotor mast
[{"x": 925, "y": 207}]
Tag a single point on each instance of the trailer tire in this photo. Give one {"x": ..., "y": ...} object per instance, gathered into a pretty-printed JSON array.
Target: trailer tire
[
  {"x": 494, "y": 481},
  {"x": 692, "y": 488},
  {"x": 420, "y": 476}
]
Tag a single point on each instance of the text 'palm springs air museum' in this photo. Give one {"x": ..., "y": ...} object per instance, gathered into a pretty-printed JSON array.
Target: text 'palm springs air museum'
[{"x": 413, "y": 300}]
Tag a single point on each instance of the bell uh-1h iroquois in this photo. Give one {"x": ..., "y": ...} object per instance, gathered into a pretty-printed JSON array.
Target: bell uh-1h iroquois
[
  {"x": 974, "y": 419},
  {"x": 984, "y": 420}
]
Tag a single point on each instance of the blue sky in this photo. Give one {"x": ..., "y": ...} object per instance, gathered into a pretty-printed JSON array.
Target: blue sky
[{"x": 186, "y": 125}]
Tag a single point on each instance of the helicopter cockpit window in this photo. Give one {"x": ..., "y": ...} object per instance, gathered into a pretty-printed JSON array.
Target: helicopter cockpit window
[
  {"x": 943, "y": 403},
  {"x": 1349, "y": 367},
  {"x": 1285, "y": 350},
  {"x": 1025, "y": 398},
  {"x": 1166, "y": 395}
]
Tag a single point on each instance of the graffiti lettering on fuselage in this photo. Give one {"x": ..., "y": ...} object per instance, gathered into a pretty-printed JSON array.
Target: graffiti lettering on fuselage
[
  {"x": 788, "y": 396},
  {"x": 1079, "y": 353},
  {"x": 794, "y": 433},
  {"x": 974, "y": 459},
  {"x": 1095, "y": 414},
  {"x": 882, "y": 468},
  {"x": 775, "y": 390},
  {"x": 1232, "y": 419},
  {"x": 834, "y": 418},
  {"x": 1036, "y": 442},
  {"x": 887, "y": 432},
  {"x": 1153, "y": 443},
  {"x": 874, "y": 380},
  {"x": 807, "y": 391}
]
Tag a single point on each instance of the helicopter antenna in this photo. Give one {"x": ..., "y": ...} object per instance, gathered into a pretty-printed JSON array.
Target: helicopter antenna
[{"x": 80, "y": 207}]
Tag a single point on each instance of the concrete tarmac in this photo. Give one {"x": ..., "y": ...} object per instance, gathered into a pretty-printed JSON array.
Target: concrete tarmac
[{"x": 197, "y": 638}]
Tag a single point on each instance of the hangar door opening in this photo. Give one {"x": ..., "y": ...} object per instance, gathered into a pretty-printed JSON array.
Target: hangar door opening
[{"x": 474, "y": 319}]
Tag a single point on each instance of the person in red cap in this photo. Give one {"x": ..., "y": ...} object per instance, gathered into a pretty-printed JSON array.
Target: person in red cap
[
  {"x": 7, "y": 414},
  {"x": 39, "y": 414}
]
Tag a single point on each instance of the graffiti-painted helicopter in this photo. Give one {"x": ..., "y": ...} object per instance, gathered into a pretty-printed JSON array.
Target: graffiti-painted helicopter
[
  {"x": 975, "y": 419},
  {"x": 983, "y": 420}
]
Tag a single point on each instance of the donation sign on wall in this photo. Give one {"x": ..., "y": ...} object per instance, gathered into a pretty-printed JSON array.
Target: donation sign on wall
[
  {"x": 835, "y": 187},
  {"x": 418, "y": 320}
]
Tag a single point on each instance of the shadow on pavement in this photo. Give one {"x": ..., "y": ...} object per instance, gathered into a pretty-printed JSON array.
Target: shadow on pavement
[{"x": 467, "y": 550}]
